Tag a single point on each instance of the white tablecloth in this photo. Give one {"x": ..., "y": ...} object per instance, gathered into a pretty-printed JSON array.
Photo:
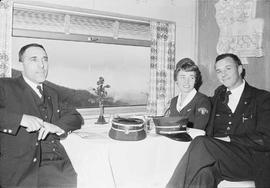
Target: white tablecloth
[{"x": 102, "y": 162}]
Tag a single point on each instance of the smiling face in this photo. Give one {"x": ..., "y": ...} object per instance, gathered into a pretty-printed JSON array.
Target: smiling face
[
  {"x": 229, "y": 73},
  {"x": 186, "y": 81},
  {"x": 35, "y": 64}
]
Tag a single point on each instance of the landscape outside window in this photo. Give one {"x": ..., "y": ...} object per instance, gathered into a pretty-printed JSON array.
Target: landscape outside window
[{"x": 75, "y": 67}]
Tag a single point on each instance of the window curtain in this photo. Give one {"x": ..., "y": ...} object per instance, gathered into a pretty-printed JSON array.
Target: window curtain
[
  {"x": 161, "y": 67},
  {"x": 5, "y": 37}
]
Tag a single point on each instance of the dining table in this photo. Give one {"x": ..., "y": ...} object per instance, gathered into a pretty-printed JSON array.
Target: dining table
[{"x": 103, "y": 162}]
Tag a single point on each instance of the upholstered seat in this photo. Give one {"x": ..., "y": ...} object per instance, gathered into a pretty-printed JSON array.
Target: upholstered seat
[{"x": 239, "y": 184}]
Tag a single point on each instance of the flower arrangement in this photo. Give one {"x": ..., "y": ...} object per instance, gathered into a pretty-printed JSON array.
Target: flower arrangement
[
  {"x": 100, "y": 90},
  {"x": 101, "y": 93}
]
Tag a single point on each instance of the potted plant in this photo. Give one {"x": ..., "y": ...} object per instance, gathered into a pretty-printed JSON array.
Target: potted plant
[{"x": 101, "y": 93}]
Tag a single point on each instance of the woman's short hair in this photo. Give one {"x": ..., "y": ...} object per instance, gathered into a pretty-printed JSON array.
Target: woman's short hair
[
  {"x": 188, "y": 65},
  {"x": 24, "y": 48}
]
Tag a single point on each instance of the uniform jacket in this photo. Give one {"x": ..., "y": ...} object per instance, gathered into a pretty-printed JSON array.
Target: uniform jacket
[
  {"x": 249, "y": 125},
  {"x": 20, "y": 150},
  {"x": 197, "y": 110}
]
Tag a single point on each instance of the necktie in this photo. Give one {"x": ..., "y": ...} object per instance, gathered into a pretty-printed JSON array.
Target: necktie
[
  {"x": 40, "y": 91},
  {"x": 226, "y": 97}
]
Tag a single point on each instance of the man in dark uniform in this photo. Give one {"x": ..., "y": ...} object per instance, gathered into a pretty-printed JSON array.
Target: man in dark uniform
[
  {"x": 237, "y": 145},
  {"x": 32, "y": 120}
]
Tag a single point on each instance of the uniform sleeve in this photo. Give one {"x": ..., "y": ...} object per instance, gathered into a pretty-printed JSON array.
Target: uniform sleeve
[
  {"x": 167, "y": 111},
  {"x": 70, "y": 119},
  {"x": 259, "y": 139},
  {"x": 213, "y": 100},
  {"x": 9, "y": 121},
  {"x": 202, "y": 113}
]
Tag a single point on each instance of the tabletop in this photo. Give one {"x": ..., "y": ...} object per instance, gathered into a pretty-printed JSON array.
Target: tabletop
[{"x": 103, "y": 162}]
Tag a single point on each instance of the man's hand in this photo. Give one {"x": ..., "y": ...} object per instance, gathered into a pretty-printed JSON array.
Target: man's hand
[
  {"x": 31, "y": 123},
  {"x": 226, "y": 139},
  {"x": 195, "y": 132},
  {"x": 49, "y": 128}
]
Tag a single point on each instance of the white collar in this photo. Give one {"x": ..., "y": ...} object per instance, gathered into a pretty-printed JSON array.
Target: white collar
[
  {"x": 239, "y": 90},
  {"x": 188, "y": 98},
  {"x": 33, "y": 85},
  {"x": 234, "y": 98}
]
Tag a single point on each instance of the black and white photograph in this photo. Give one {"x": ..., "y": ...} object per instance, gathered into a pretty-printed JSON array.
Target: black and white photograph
[{"x": 135, "y": 94}]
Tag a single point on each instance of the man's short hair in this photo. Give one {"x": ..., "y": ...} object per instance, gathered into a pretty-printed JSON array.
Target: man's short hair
[
  {"x": 188, "y": 65},
  {"x": 24, "y": 48},
  {"x": 235, "y": 58}
]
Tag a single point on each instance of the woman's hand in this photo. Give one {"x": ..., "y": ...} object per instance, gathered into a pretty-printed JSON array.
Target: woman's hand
[
  {"x": 195, "y": 132},
  {"x": 226, "y": 138}
]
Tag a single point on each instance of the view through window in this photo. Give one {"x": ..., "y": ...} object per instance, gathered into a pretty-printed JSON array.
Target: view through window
[{"x": 75, "y": 68}]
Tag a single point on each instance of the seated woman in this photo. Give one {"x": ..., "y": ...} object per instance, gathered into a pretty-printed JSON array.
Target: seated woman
[{"x": 190, "y": 103}]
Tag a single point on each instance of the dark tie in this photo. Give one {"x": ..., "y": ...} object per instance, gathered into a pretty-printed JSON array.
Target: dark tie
[
  {"x": 40, "y": 91},
  {"x": 226, "y": 96}
]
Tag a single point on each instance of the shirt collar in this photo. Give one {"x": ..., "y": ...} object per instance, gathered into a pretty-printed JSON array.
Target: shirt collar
[
  {"x": 32, "y": 84},
  {"x": 188, "y": 98},
  {"x": 239, "y": 90}
]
